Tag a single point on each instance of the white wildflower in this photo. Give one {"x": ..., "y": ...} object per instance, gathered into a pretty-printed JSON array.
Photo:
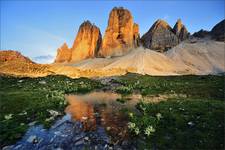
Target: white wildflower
[
  {"x": 42, "y": 82},
  {"x": 149, "y": 130},
  {"x": 190, "y": 123},
  {"x": 158, "y": 116},
  {"x": 131, "y": 125},
  {"x": 20, "y": 81},
  {"x": 53, "y": 112},
  {"x": 131, "y": 114},
  {"x": 9, "y": 116},
  {"x": 49, "y": 119},
  {"x": 136, "y": 131}
]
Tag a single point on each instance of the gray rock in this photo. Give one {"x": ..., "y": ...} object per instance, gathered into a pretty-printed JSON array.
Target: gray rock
[
  {"x": 180, "y": 30},
  {"x": 32, "y": 138},
  {"x": 160, "y": 37},
  {"x": 218, "y": 31}
]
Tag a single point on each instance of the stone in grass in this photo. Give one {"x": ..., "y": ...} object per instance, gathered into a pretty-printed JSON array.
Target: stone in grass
[
  {"x": 191, "y": 124},
  {"x": 20, "y": 81},
  {"x": 42, "y": 82},
  {"x": 32, "y": 123}
]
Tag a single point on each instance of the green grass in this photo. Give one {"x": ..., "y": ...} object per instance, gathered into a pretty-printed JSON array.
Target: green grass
[
  {"x": 184, "y": 124},
  {"x": 206, "y": 87},
  {"x": 195, "y": 121},
  {"x": 25, "y": 100}
]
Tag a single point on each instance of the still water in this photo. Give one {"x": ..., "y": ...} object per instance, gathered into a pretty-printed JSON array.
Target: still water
[{"x": 102, "y": 109}]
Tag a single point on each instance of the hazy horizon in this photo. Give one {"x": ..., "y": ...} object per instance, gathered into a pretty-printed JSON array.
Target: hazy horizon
[{"x": 38, "y": 28}]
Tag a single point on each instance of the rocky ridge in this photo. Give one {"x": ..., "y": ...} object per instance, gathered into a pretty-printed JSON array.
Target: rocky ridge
[
  {"x": 11, "y": 55},
  {"x": 217, "y": 33}
]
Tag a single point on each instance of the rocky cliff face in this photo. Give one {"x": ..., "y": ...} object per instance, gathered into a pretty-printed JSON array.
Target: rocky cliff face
[
  {"x": 180, "y": 30},
  {"x": 63, "y": 54},
  {"x": 160, "y": 37},
  {"x": 87, "y": 42},
  {"x": 15, "y": 56},
  {"x": 136, "y": 35},
  {"x": 121, "y": 34},
  {"x": 218, "y": 31}
]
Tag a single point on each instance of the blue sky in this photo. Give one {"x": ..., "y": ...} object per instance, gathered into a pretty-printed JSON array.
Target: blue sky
[{"x": 38, "y": 28}]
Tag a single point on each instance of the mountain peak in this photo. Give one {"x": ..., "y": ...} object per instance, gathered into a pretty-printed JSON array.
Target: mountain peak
[
  {"x": 121, "y": 34},
  {"x": 161, "y": 24},
  {"x": 87, "y": 42},
  {"x": 180, "y": 30},
  {"x": 63, "y": 54}
]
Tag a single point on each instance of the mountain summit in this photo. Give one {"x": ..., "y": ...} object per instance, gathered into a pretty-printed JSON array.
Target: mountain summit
[
  {"x": 180, "y": 30},
  {"x": 63, "y": 54},
  {"x": 87, "y": 42},
  {"x": 121, "y": 35},
  {"x": 159, "y": 37}
]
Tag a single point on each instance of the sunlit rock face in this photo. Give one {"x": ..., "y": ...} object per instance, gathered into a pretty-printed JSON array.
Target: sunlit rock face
[
  {"x": 11, "y": 55},
  {"x": 121, "y": 34},
  {"x": 160, "y": 37},
  {"x": 63, "y": 54},
  {"x": 87, "y": 42},
  {"x": 180, "y": 30}
]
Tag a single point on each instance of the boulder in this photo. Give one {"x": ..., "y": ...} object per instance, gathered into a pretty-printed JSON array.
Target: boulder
[
  {"x": 121, "y": 35},
  {"x": 160, "y": 37},
  {"x": 87, "y": 42},
  {"x": 63, "y": 54},
  {"x": 218, "y": 32}
]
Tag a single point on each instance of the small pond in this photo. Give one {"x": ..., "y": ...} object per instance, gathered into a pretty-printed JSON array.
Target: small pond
[{"x": 102, "y": 109}]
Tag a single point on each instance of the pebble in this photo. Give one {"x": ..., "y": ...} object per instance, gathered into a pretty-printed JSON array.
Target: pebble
[
  {"x": 32, "y": 123},
  {"x": 84, "y": 118},
  {"x": 18, "y": 147},
  {"x": 58, "y": 148},
  {"x": 79, "y": 142},
  {"x": 57, "y": 132},
  {"x": 86, "y": 138},
  {"x": 108, "y": 128},
  {"x": 7, "y": 147},
  {"x": 31, "y": 138}
]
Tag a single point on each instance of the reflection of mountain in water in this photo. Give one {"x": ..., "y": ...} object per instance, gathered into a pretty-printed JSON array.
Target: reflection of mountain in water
[{"x": 100, "y": 109}]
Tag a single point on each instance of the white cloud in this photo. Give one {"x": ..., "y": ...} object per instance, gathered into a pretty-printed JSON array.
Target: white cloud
[
  {"x": 44, "y": 59},
  {"x": 166, "y": 17}
]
